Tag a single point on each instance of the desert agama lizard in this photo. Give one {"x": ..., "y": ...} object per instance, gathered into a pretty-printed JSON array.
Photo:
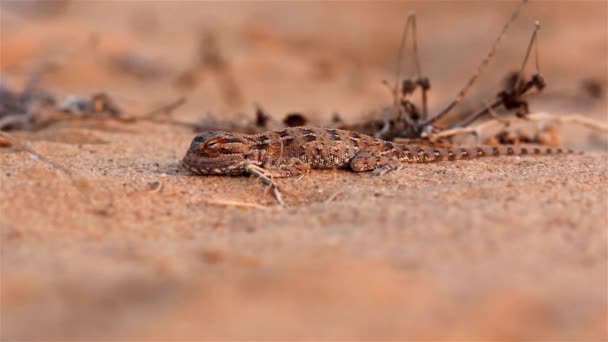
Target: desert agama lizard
[{"x": 293, "y": 151}]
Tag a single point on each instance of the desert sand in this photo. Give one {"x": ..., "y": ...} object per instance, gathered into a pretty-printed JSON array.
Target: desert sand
[{"x": 109, "y": 238}]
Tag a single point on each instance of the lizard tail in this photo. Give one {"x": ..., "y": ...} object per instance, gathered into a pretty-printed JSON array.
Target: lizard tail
[{"x": 430, "y": 154}]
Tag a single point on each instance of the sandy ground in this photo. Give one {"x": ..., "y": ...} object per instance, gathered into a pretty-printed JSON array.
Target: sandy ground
[{"x": 133, "y": 247}]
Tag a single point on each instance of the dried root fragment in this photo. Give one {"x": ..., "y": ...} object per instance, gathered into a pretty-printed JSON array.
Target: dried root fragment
[{"x": 542, "y": 121}]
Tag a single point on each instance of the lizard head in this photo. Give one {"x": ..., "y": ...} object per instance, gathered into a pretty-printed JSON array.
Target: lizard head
[{"x": 217, "y": 153}]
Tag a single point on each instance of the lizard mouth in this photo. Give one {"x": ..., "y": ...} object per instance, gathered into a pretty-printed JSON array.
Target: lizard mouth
[
  {"x": 186, "y": 165},
  {"x": 202, "y": 165},
  {"x": 195, "y": 164}
]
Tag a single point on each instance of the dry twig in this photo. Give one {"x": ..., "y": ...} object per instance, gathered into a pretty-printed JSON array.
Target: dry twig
[
  {"x": 230, "y": 203},
  {"x": 462, "y": 93},
  {"x": 259, "y": 172}
]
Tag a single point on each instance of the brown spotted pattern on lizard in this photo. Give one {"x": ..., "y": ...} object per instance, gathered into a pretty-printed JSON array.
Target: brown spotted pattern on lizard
[{"x": 294, "y": 151}]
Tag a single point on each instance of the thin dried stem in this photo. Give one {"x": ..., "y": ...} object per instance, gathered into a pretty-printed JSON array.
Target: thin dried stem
[
  {"x": 332, "y": 197},
  {"x": 454, "y": 131},
  {"x": 469, "y": 119},
  {"x": 424, "y": 89},
  {"x": 532, "y": 43},
  {"x": 415, "y": 45},
  {"x": 397, "y": 86},
  {"x": 495, "y": 115},
  {"x": 536, "y": 55},
  {"x": 411, "y": 18},
  {"x": 463, "y": 92},
  {"x": 230, "y": 203},
  {"x": 167, "y": 109},
  {"x": 259, "y": 172}
]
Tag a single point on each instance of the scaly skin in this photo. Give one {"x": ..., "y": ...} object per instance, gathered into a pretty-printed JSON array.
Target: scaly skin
[{"x": 294, "y": 151}]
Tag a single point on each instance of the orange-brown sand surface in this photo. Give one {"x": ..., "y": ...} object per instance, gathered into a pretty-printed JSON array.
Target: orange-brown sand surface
[{"x": 106, "y": 237}]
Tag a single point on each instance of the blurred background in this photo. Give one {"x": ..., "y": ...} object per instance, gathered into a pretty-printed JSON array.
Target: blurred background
[{"x": 316, "y": 58}]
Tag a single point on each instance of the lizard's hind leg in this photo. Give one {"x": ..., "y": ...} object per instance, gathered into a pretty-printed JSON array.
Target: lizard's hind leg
[
  {"x": 392, "y": 166},
  {"x": 376, "y": 161}
]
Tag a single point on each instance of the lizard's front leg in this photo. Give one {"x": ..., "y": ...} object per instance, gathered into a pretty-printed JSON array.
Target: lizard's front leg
[{"x": 288, "y": 168}]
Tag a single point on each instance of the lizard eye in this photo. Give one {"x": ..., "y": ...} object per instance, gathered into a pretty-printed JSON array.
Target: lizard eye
[{"x": 212, "y": 144}]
